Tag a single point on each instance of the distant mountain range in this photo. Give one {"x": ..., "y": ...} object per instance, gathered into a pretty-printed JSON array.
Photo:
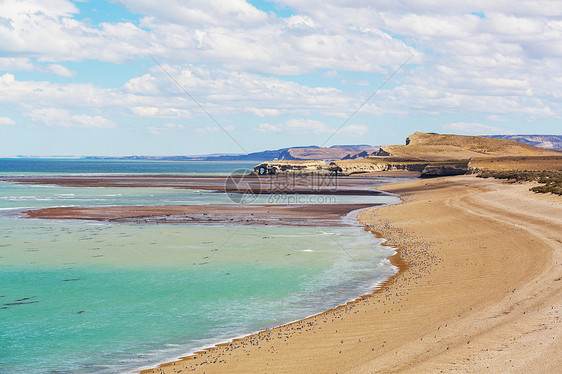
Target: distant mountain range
[
  {"x": 543, "y": 141},
  {"x": 313, "y": 152},
  {"x": 336, "y": 152}
]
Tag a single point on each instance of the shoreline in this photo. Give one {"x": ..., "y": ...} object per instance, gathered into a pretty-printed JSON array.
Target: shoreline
[
  {"x": 424, "y": 274},
  {"x": 394, "y": 259}
]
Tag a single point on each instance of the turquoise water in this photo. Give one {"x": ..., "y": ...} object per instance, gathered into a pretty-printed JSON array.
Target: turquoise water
[
  {"x": 20, "y": 196},
  {"x": 80, "y": 297},
  {"x": 100, "y": 296},
  {"x": 39, "y": 166}
]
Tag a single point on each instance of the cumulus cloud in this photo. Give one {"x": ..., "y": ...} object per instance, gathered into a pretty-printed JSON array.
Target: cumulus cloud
[
  {"x": 310, "y": 126},
  {"x": 62, "y": 118},
  {"x": 16, "y": 64},
  {"x": 231, "y": 33},
  {"x": 150, "y": 111},
  {"x": 60, "y": 70},
  {"x": 197, "y": 11},
  {"x": 500, "y": 58},
  {"x": 354, "y": 130},
  {"x": 155, "y": 95},
  {"x": 295, "y": 126},
  {"x": 26, "y": 64},
  {"x": 263, "y": 112},
  {"x": 214, "y": 129},
  {"x": 49, "y": 30},
  {"x": 497, "y": 118},
  {"x": 6, "y": 121},
  {"x": 159, "y": 130}
]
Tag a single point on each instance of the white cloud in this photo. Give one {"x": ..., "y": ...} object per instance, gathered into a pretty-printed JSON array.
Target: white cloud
[
  {"x": 505, "y": 60},
  {"x": 154, "y": 130},
  {"x": 432, "y": 25},
  {"x": 309, "y": 126},
  {"x": 306, "y": 125},
  {"x": 354, "y": 130},
  {"x": 159, "y": 130},
  {"x": 497, "y": 118},
  {"x": 48, "y": 30},
  {"x": 231, "y": 33},
  {"x": 148, "y": 111},
  {"x": 474, "y": 128},
  {"x": 205, "y": 12},
  {"x": 266, "y": 127},
  {"x": 356, "y": 83},
  {"x": 222, "y": 91},
  {"x": 6, "y": 121},
  {"x": 263, "y": 112},
  {"x": 62, "y": 118},
  {"x": 295, "y": 126},
  {"x": 174, "y": 126},
  {"x": 26, "y": 64},
  {"x": 155, "y": 95},
  {"x": 214, "y": 129},
  {"x": 16, "y": 64},
  {"x": 60, "y": 70}
]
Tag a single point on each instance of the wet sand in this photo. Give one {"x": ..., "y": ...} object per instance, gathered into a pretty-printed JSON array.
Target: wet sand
[
  {"x": 479, "y": 290},
  {"x": 240, "y": 187},
  {"x": 288, "y": 214},
  {"x": 295, "y": 184}
]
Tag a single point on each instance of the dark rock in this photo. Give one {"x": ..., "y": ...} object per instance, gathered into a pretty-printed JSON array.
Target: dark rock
[
  {"x": 431, "y": 171},
  {"x": 382, "y": 152}
]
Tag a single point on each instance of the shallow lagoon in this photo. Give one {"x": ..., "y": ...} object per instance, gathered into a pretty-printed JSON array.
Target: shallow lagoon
[{"x": 97, "y": 297}]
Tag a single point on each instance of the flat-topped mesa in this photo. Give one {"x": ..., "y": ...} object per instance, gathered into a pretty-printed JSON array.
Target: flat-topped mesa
[{"x": 435, "y": 147}]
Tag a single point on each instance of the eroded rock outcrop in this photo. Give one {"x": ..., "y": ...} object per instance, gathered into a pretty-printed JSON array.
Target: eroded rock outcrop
[
  {"x": 430, "y": 171},
  {"x": 368, "y": 165},
  {"x": 295, "y": 167}
]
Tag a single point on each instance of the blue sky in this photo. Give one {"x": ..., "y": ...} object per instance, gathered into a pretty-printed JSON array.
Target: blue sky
[{"x": 104, "y": 77}]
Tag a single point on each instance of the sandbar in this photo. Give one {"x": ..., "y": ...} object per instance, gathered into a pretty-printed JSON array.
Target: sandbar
[{"x": 238, "y": 214}]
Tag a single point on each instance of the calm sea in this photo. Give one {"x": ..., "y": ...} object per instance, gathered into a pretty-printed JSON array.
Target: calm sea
[
  {"x": 27, "y": 166},
  {"x": 79, "y": 297}
]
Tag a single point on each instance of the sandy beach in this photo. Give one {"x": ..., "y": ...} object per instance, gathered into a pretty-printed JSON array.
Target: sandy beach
[{"x": 479, "y": 290}]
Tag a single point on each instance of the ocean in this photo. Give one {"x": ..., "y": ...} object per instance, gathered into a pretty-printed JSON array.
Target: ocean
[
  {"x": 79, "y": 297},
  {"x": 43, "y": 166}
]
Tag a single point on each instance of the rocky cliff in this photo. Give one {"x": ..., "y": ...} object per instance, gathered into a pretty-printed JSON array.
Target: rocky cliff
[
  {"x": 368, "y": 165},
  {"x": 430, "y": 155}
]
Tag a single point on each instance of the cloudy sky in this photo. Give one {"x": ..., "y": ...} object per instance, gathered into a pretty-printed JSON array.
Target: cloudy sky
[{"x": 175, "y": 77}]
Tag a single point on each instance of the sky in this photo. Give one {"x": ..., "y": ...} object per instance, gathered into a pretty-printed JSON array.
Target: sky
[{"x": 173, "y": 77}]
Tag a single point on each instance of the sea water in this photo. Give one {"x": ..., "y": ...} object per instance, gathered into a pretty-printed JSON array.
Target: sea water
[
  {"x": 81, "y": 297},
  {"x": 42, "y": 166}
]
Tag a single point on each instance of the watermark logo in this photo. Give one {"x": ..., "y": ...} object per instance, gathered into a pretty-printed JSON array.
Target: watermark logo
[
  {"x": 297, "y": 182},
  {"x": 288, "y": 199},
  {"x": 241, "y": 187}
]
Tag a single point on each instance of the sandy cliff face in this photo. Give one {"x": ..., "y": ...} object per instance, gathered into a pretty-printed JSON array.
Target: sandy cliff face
[
  {"x": 289, "y": 167},
  {"x": 431, "y": 155},
  {"x": 368, "y": 165}
]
